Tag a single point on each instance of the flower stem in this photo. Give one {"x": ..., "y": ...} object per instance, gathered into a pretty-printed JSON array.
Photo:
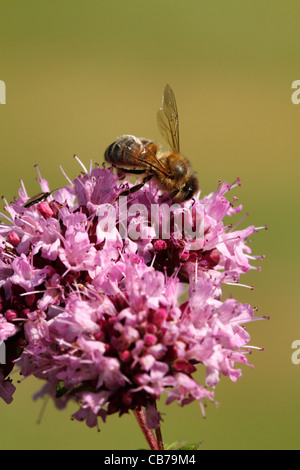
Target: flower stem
[
  {"x": 159, "y": 438},
  {"x": 158, "y": 434},
  {"x": 148, "y": 433}
]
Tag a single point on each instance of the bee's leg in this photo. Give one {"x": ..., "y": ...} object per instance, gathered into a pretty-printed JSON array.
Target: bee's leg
[
  {"x": 171, "y": 195},
  {"x": 133, "y": 171},
  {"x": 137, "y": 186}
]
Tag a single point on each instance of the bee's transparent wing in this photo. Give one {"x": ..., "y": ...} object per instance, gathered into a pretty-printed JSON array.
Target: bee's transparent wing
[
  {"x": 167, "y": 119},
  {"x": 145, "y": 157}
]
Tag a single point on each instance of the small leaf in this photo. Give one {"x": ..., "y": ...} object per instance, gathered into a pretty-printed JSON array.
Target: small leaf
[
  {"x": 182, "y": 445},
  {"x": 192, "y": 446}
]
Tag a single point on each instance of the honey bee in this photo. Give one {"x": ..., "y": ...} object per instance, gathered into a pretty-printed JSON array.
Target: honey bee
[{"x": 171, "y": 170}]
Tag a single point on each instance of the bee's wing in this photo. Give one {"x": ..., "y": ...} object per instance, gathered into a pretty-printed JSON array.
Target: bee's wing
[
  {"x": 146, "y": 158},
  {"x": 167, "y": 119}
]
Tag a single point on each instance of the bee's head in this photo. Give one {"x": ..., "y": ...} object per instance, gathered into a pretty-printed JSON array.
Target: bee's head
[{"x": 189, "y": 189}]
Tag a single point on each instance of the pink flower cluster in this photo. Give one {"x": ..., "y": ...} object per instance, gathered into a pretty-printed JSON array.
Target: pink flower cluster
[{"x": 98, "y": 316}]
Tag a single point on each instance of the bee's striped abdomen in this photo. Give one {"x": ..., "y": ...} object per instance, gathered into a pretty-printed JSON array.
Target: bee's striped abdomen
[{"x": 131, "y": 151}]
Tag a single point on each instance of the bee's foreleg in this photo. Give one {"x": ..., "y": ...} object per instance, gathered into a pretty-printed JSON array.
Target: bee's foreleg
[
  {"x": 171, "y": 195},
  {"x": 137, "y": 186}
]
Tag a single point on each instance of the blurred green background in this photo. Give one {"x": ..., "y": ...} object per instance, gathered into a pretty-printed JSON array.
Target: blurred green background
[{"x": 78, "y": 74}]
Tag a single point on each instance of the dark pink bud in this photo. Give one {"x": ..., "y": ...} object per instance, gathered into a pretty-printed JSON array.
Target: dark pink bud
[
  {"x": 184, "y": 256},
  {"x": 45, "y": 210},
  {"x": 182, "y": 365},
  {"x": 160, "y": 245},
  {"x": 13, "y": 239},
  {"x": 10, "y": 315},
  {"x": 125, "y": 356},
  {"x": 159, "y": 317},
  {"x": 150, "y": 339}
]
